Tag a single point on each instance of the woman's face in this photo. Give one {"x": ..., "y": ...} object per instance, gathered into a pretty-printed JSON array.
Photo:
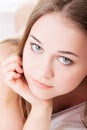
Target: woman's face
[{"x": 55, "y": 57}]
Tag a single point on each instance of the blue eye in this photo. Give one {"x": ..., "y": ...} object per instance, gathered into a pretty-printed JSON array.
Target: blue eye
[
  {"x": 36, "y": 48},
  {"x": 65, "y": 60}
]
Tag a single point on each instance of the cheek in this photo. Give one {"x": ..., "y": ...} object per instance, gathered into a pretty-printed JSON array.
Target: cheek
[
  {"x": 69, "y": 81},
  {"x": 29, "y": 64}
]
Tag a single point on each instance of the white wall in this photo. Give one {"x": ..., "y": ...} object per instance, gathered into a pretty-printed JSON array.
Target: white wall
[
  {"x": 7, "y": 16},
  {"x": 12, "y": 5}
]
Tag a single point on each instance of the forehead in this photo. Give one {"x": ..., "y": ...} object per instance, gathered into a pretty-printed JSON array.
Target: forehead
[{"x": 54, "y": 29}]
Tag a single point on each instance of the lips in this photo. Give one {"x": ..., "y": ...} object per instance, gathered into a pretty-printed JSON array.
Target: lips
[{"x": 41, "y": 85}]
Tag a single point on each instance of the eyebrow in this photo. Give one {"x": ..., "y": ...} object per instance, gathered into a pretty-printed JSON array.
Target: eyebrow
[
  {"x": 64, "y": 52},
  {"x": 67, "y": 52},
  {"x": 35, "y": 39}
]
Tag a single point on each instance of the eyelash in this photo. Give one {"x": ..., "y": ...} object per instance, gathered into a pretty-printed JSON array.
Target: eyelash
[
  {"x": 70, "y": 62},
  {"x": 35, "y": 45},
  {"x": 58, "y": 58}
]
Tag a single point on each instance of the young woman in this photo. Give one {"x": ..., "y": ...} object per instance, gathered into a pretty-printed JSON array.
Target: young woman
[{"x": 50, "y": 68}]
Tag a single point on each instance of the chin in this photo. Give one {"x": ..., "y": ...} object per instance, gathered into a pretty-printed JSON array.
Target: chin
[{"x": 40, "y": 95}]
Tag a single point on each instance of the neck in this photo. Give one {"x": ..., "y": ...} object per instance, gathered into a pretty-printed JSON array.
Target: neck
[{"x": 71, "y": 99}]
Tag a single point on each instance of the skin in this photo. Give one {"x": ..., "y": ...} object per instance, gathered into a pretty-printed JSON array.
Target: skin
[
  {"x": 47, "y": 60},
  {"x": 10, "y": 113},
  {"x": 57, "y": 65}
]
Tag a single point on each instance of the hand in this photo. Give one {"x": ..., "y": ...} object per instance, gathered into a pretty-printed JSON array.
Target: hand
[{"x": 14, "y": 77}]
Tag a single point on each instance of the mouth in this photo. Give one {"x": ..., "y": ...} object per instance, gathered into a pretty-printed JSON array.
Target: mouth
[{"x": 41, "y": 85}]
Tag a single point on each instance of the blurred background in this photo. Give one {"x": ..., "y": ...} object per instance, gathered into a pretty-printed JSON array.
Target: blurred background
[{"x": 13, "y": 16}]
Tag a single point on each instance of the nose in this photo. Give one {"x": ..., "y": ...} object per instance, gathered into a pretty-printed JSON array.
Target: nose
[{"x": 46, "y": 70}]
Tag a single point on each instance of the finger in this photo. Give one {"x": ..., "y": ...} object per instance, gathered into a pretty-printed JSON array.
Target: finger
[
  {"x": 18, "y": 86},
  {"x": 23, "y": 90},
  {"x": 12, "y": 59},
  {"x": 12, "y": 76},
  {"x": 14, "y": 67}
]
